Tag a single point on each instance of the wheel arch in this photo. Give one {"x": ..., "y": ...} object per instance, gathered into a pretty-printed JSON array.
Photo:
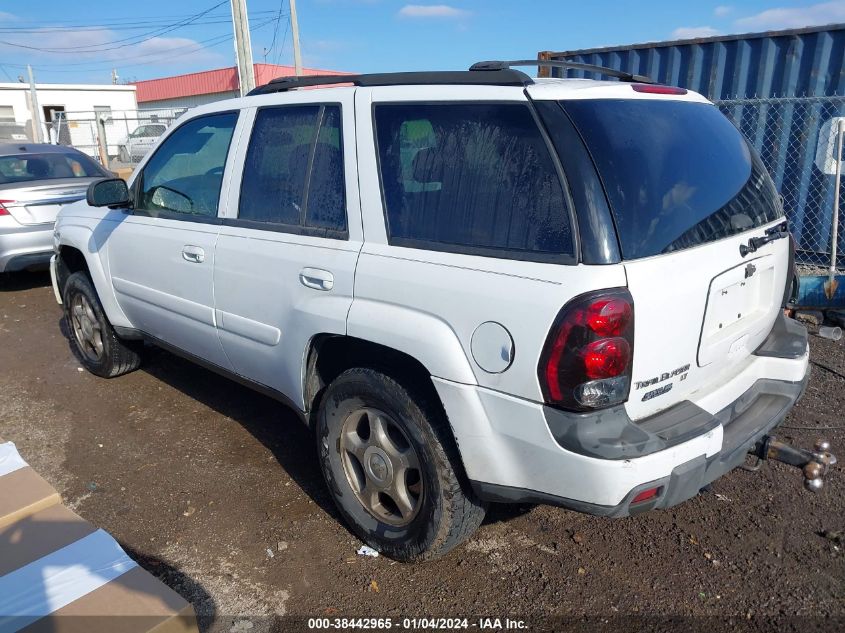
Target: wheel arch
[
  {"x": 329, "y": 355},
  {"x": 78, "y": 252}
]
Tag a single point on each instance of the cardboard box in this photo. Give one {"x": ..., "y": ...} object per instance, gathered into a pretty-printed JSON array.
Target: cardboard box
[
  {"x": 60, "y": 574},
  {"x": 136, "y": 602},
  {"x": 39, "y": 534},
  {"x": 22, "y": 491}
]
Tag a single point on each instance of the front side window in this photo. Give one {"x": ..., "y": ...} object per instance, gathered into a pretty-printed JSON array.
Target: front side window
[
  {"x": 293, "y": 172},
  {"x": 185, "y": 174},
  {"x": 475, "y": 178}
]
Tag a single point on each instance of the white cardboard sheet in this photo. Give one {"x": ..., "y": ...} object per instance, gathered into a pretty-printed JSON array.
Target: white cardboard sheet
[
  {"x": 10, "y": 459},
  {"x": 54, "y": 581}
]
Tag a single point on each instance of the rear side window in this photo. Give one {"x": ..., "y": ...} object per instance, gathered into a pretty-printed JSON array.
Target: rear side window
[
  {"x": 471, "y": 178},
  {"x": 677, "y": 174},
  {"x": 293, "y": 172}
]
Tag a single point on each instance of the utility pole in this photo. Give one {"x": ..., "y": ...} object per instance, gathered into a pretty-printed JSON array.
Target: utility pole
[
  {"x": 243, "y": 47},
  {"x": 294, "y": 27},
  {"x": 37, "y": 132}
]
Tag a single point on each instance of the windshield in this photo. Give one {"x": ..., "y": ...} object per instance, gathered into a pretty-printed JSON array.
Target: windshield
[
  {"x": 677, "y": 174},
  {"x": 30, "y": 167}
]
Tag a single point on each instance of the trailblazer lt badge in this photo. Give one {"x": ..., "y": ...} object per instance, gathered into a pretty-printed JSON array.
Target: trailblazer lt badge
[{"x": 642, "y": 384}]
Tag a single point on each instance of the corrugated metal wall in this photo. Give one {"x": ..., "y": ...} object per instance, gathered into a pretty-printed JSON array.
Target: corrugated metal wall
[
  {"x": 800, "y": 62},
  {"x": 779, "y": 88}
]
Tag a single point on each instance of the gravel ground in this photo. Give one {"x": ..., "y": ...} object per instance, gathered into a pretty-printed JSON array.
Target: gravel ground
[{"x": 216, "y": 490}]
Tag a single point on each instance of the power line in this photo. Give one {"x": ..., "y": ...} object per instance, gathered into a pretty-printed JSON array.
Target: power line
[
  {"x": 98, "y": 48},
  {"x": 104, "y": 27},
  {"x": 284, "y": 39},
  {"x": 276, "y": 30},
  {"x": 124, "y": 26},
  {"x": 134, "y": 19},
  {"x": 117, "y": 60},
  {"x": 160, "y": 55}
]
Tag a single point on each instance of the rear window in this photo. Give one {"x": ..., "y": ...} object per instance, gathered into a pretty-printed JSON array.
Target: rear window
[
  {"x": 473, "y": 178},
  {"x": 677, "y": 174},
  {"x": 30, "y": 167}
]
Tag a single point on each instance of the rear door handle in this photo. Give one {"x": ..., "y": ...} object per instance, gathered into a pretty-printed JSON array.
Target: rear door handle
[
  {"x": 316, "y": 278},
  {"x": 193, "y": 254}
]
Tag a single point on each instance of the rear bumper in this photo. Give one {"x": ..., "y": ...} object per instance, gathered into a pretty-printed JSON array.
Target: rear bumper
[
  {"x": 759, "y": 410},
  {"x": 511, "y": 453},
  {"x": 24, "y": 246}
]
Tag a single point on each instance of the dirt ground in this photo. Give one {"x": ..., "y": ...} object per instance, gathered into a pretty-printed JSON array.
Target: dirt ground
[{"x": 216, "y": 490}]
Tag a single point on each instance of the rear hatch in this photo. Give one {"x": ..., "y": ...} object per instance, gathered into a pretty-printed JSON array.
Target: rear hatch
[
  {"x": 39, "y": 203},
  {"x": 687, "y": 195}
]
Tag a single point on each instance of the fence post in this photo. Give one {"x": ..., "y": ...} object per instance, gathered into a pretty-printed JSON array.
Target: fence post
[
  {"x": 101, "y": 141},
  {"x": 830, "y": 286}
]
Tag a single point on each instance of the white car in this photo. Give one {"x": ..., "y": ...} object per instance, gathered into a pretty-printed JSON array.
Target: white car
[
  {"x": 473, "y": 286},
  {"x": 136, "y": 145}
]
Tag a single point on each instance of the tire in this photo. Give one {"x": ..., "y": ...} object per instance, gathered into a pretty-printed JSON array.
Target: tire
[
  {"x": 123, "y": 155},
  {"x": 444, "y": 510},
  {"x": 92, "y": 337}
]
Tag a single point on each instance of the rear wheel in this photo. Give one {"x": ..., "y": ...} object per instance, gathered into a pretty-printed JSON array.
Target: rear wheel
[
  {"x": 393, "y": 468},
  {"x": 92, "y": 337}
]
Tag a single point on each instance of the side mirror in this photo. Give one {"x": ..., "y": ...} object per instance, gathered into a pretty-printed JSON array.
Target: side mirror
[{"x": 108, "y": 192}]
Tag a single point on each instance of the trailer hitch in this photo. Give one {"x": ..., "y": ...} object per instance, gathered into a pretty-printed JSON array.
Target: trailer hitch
[{"x": 814, "y": 464}]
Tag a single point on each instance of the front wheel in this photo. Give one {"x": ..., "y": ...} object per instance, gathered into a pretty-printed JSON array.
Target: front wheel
[
  {"x": 92, "y": 337},
  {"x": 393, "y": 468},
  {"x": 123, "y": 155}
]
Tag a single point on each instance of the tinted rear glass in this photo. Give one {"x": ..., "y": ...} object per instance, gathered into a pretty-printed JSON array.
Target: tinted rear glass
[
  {"x": 31, "y": 167},
  {"x": 677, "y": 174},
  {"x": 474, "y": 178}
]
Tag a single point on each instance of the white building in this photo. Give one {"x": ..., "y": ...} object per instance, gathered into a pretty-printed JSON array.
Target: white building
[{"x": 68, "y": 112}]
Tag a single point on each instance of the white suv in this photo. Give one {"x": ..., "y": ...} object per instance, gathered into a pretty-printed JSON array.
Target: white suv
[{"x": 474, "y": 286}]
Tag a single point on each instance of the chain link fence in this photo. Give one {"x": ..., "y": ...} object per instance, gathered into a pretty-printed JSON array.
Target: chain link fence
[
  {"x": 797, "y": 140},
  {"x": 795, "y": 136},
  {"x": 117, "y": 138}
]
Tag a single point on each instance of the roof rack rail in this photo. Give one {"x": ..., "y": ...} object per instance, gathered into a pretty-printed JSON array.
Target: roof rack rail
[
  {"x": 559, "y": 63},
  {"x": 493, "y": 77}
]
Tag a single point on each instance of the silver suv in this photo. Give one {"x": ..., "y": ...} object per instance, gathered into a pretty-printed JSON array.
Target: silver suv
[{"x": 473, "y": 286}]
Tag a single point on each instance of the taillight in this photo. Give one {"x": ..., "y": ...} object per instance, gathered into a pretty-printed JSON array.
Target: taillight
[
  {"x": 586, "y": 361},
  {"x": 657, "y": 89},
  {"x": 607, "y": 358},
  {"x": 3, "y": 209}
]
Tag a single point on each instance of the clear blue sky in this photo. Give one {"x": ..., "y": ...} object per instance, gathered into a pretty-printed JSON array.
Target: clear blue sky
[{"x": 83, "y": 41}]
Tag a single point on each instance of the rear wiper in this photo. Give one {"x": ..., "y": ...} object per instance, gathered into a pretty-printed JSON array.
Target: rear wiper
[{"x": 774, "y": 233}]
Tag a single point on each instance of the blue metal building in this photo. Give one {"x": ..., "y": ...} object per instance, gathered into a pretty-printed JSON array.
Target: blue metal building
[{"x": 778, "y": 87}]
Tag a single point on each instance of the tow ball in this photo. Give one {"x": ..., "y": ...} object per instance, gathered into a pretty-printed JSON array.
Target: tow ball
[{"x": 814, "y": 464}]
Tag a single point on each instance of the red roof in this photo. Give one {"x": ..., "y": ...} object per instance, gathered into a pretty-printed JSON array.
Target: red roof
[{"x": 214, "y": 81}]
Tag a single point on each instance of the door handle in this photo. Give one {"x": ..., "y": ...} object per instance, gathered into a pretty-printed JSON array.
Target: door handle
[
  {"x": 316, "y": 278},
  {"x": 193, "y": 254}
]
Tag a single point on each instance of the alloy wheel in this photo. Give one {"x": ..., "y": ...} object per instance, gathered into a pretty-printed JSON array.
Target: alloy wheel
[
  {"x": 381, "y": 466},
  {"x": 86, "y": 328}
]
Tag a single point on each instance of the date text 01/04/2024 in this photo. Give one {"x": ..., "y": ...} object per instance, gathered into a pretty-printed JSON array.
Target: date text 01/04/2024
[{"x": 484, "y": 623}]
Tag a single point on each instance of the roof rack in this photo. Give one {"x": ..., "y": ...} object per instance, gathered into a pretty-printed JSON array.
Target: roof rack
[
  {"x": 491, "y": 73},
  {"x": 494, "y": 76},
  {"x": 490, "y": 66}
]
